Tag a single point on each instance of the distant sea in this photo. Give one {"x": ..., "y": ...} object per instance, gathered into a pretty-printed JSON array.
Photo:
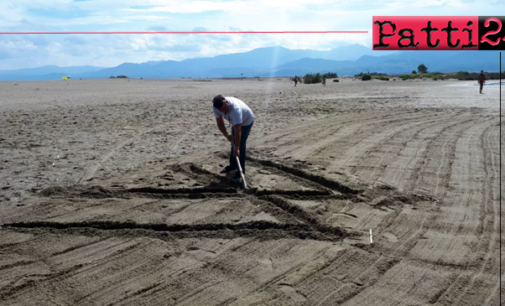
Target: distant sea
[
  {"x": 494, "y": 84},
  {"x": 474, "y": 83}
]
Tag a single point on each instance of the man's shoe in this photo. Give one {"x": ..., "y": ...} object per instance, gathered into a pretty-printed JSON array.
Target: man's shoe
[{"x": 227, "y": 169}]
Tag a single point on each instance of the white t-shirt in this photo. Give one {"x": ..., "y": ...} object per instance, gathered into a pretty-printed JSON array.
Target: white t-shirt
[{"x": 239, "y": 112}]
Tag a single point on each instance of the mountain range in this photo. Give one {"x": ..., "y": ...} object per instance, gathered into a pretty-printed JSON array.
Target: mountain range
[{"x": 278, "y": 61}]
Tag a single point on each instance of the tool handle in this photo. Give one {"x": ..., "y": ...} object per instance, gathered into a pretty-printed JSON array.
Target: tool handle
[
  {"x": 240, "y": 168},
  {"x": 241, "y": 173}
]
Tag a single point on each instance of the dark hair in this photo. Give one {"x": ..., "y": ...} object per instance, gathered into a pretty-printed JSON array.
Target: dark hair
[{"x": 218, "y": 101}]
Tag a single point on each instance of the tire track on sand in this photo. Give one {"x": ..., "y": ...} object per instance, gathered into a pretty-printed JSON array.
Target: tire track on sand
[
  {"x": 383, "y": 284},
  {"x": 398, "y": 172},
  {"x": 495, "y": 218},
  {"x": 496, "y": 223},
  {"x": 376, "y": 139},
  {"x": 457, "y": 196}
]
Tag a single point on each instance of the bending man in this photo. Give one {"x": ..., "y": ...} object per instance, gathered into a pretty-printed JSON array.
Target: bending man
[{"x": 241, "y": 118}]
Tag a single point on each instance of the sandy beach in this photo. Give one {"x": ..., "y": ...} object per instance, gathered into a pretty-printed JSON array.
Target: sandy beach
[{"x": 110, "y": 194}]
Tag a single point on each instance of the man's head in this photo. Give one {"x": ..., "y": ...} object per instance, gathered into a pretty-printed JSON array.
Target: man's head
[
  {"x": 482, "y": 71},
  {"x": 220, "y": 103}
]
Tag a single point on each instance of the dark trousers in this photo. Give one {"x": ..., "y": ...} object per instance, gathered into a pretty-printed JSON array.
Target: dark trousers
[{"x": 245, "y": 130}]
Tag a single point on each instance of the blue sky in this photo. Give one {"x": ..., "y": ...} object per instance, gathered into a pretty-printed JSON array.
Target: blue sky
[{"x": 26, "y": 51}]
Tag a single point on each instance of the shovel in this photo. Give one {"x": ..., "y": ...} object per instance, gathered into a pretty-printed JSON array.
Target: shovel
[{"x": 240, "y": 169}]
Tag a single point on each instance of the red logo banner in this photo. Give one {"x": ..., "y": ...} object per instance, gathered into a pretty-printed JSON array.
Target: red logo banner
[{"x": 438, "y": 33}]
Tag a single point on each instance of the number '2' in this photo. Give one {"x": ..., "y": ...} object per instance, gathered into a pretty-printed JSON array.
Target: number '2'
[{"x": 486, "y": 24}]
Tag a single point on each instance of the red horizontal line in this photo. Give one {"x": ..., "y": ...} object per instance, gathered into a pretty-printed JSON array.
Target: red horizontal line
[{"x": 265, "y": 32}]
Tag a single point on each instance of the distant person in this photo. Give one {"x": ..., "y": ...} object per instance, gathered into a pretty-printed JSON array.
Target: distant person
[
  {"x": 296, "y": 80},
  {"x": 241, "y": 118},
  {"x": 481, "y": 80},
  {"x": 324, "y": 81}
]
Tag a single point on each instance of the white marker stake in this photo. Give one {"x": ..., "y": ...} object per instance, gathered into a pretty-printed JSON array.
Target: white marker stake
[{"x": 371, "y": 237}]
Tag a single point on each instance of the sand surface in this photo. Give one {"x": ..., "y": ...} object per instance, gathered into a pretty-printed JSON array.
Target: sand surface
[{"x": 110, "y": 194}]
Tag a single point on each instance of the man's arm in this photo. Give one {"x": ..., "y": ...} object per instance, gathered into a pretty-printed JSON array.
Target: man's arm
[{"x": 222, "y": 128}]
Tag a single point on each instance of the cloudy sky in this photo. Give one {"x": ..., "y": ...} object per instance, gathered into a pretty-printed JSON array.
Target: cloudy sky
[{"x": 26, "y": 51}]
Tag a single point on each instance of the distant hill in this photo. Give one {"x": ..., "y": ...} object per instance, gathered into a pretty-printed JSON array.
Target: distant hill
[
  {"x": 436, "y": 61},
  {"x": 258, "y": 62},
  {"x": 279, "y": 61},
  {"x": 45, "y": 72}
]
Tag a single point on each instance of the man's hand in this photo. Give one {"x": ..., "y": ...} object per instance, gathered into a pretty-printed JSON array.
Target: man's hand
[
  {"x": 236, "y": 152},
  {"x": 230, "y": 138}
]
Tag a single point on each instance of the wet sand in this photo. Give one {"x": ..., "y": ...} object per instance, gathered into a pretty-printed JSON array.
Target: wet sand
[{"x": 110, "y": 194}]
